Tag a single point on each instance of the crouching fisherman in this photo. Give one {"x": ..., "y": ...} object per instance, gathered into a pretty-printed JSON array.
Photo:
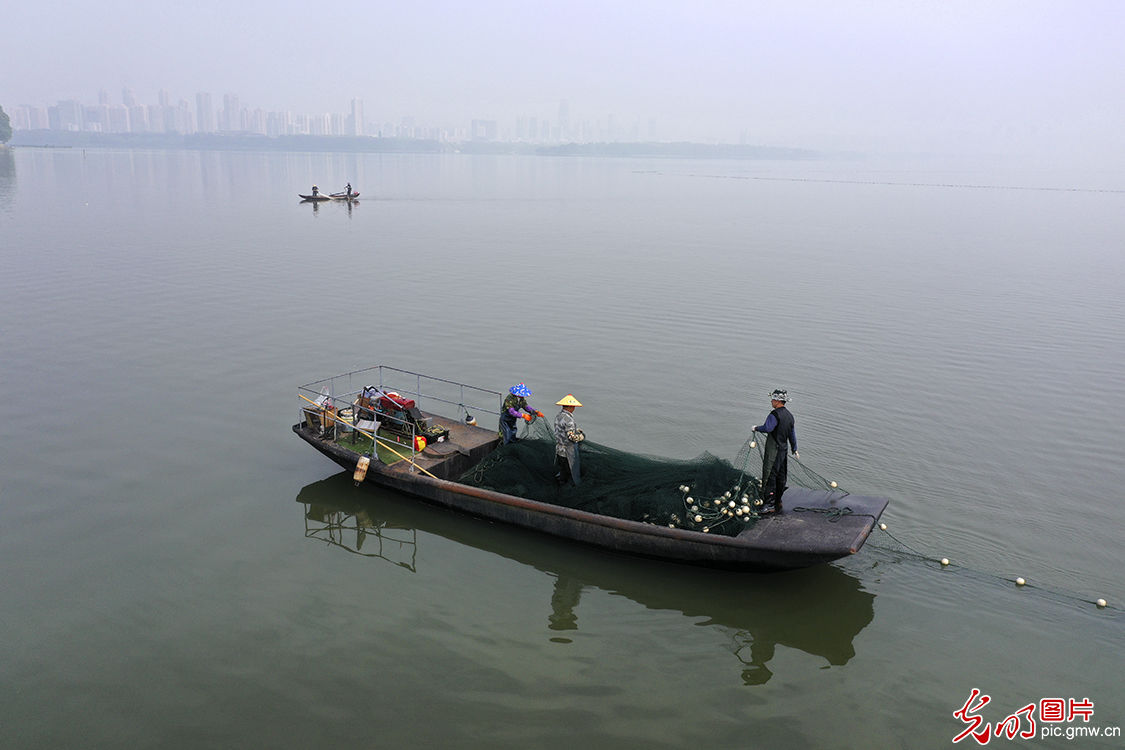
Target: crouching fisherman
[
  {"x": 567, "y": 438},
  {"x": 515, "y": 407}
]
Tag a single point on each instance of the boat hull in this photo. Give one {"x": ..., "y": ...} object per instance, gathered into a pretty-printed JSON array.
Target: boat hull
[{"x": 816, "y": 526}]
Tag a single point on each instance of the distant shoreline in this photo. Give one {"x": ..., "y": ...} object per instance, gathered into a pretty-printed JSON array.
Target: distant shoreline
[{"x": 364, "y": 144}]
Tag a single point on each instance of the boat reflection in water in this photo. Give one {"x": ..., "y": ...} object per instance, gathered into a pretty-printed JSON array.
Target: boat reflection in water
[
  {"x": 759, "y": 611},
  {"x": 354, "y": 529},
  {"x": 315, "y": 203}
]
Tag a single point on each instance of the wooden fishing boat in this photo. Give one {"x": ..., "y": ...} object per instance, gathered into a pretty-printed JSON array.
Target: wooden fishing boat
[
  {"x": 343, "y": 196},
  {"x": 314, "y": 198},
  {"x": 815, "y": 526}
]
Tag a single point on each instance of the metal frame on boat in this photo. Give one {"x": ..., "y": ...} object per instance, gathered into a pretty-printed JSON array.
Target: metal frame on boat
[{"x": 816, "y": 526}]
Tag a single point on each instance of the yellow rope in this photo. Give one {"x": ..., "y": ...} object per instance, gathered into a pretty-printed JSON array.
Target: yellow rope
[{"x": 384, "y": 443}]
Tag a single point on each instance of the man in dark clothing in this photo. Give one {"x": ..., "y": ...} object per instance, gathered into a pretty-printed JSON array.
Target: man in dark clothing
[{"x": 781, "y": 432}]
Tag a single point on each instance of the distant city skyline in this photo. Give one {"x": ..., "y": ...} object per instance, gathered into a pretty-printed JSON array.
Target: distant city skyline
[
  {"x": 1027, "y": 79},
  {"x": 205, "y": 113}
]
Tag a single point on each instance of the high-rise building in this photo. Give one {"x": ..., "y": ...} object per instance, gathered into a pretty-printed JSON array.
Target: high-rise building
[
  {"x": 95, "y": 117},
  {"x": 355, "y": 119},
  {"x": 154, "y": 116},
  {"x": 278, "y": 123},
  {"x": 118, "y": 119},
  {"x": 20, "y": 117},
  {"x": 564, "y": 120},
  {"x": 138, "y": 118},
  {"x": 185, "y": 121},
  {"x": 127, "y": 97},
  {"x": 406, "y": 127},
  {"x": 256, "y": 122},
  {"x": 231, "y": 118},
  {"x": 38, "y": 118},
  {"x": 483, "y": 130},
  {"x": 204, "y": 114},
  {"x": 68, "y": 115}
]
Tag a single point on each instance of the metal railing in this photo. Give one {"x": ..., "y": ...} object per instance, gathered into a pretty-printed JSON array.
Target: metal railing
[
  {"x": 424, "y": 389},
  {"x": 328, "y": 398},
  {"x": 334, "y": 526}
]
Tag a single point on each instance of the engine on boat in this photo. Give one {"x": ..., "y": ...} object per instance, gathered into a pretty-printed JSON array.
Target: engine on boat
[{"x": 397, "y": 414}]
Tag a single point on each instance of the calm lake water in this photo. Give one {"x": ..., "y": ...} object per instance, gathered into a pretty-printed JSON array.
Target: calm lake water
[{"x": 179, "y": 570}]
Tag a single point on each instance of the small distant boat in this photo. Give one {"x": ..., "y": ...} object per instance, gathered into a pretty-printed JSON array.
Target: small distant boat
[{"x": 333, "y": 197}]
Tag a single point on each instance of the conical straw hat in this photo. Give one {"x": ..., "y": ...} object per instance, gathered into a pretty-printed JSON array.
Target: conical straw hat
[{"x": 569, "y": 400}]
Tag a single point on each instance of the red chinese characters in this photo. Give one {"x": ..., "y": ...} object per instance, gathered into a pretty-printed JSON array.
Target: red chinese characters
[
  {"x": 974, "y": 721},
  {"x": 1021, "y": 722}
]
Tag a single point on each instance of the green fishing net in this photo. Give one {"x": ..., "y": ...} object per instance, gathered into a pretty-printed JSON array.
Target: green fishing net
[{"x": 705, "y": 493}]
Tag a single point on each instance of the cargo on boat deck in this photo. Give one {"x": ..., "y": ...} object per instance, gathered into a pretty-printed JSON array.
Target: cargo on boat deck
[{"x": 398, "y": 414}]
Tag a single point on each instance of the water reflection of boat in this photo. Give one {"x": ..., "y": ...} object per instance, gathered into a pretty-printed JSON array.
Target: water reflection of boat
[
  {"x": 817, "y": 526},
  {"x": 759, "y": 612},
  {"x": 352, "y": 528}
]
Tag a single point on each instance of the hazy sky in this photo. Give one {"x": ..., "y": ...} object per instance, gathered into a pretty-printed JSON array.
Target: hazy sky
[{"x": 1021, "y": 76}]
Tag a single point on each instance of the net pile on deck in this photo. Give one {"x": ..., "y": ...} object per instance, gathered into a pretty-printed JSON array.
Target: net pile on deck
[{"x": 706, "y": 493}]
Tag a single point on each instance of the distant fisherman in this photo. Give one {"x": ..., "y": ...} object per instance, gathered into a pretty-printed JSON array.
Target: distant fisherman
[
  {"x": 781, "y": 431},
  {"x": 515, "y": 407},
  {"x": 567, "y": 438}
]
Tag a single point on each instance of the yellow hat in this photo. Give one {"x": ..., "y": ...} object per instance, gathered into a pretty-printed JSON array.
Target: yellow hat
[{"x": 568, "y": 400}]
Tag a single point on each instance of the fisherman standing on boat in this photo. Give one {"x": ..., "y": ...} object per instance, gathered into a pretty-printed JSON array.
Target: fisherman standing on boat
[
  {"x": 348, "y": 191},
  {"x": 515, "y": 407},
  {"x": 316, "y": 191},
  {"x": 781, "y": 432},
  {"x": 567, "y": 438}
]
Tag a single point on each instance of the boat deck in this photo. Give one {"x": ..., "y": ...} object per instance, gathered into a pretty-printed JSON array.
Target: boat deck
[
  {"x": 465, "y": 447},
  {"x": 813, "y": 519}
]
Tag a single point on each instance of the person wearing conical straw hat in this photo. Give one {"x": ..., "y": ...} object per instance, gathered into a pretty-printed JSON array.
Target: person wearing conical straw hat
[{"x": 567, "y": 438}]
